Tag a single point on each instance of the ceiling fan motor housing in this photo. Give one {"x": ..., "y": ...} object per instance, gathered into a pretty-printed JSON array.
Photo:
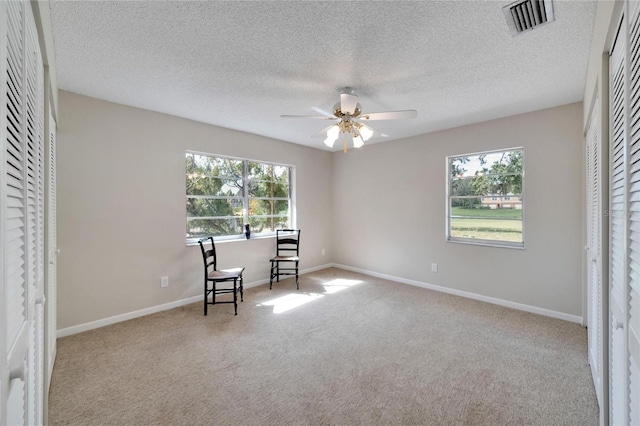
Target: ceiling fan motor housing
[{"x": 337, "y": 111}]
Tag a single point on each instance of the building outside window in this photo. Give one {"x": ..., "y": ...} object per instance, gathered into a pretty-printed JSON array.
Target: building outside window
[
  {"x": 223, "y": 194},
  {"x": 485, "y": 198}
]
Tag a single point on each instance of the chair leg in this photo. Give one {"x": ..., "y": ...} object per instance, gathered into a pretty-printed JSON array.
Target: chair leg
[
  {"x": 297, "y": 283},
  {"x": 241, "y": 289},
  {"x": 205, "y": 298},
  {"x": 277, "y": 271},
  {"x": 271, "y": 275},
  {"x": 235, "y": 296}
]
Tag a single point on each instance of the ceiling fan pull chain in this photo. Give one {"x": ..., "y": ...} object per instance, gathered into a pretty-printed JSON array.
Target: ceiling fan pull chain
[{"x": 345, "y": 143}]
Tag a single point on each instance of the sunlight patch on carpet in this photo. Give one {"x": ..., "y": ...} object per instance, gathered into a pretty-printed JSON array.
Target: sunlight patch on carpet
[
  {"x": 339, "y": 284},
  {"x": 293, "y": 300},
  {"x": 290, "y": 301}
]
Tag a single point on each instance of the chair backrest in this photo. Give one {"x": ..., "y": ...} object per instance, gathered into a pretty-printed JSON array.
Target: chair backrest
[
  {"x": 208, "y": 256},
  {"x": 287, "y": 242}
]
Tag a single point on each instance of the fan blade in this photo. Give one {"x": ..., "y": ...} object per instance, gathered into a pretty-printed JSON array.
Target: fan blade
[
  {"x": 389, "y": 115},
  {"x": 348, "y": 103},
  {"x": 322, "y": 111},
  {"x": 321, "y": 117}
]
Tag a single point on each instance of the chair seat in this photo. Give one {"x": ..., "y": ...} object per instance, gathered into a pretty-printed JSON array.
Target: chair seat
[
  {"x": 224, "y": 274},
  {"x": 285, "y": 258}
]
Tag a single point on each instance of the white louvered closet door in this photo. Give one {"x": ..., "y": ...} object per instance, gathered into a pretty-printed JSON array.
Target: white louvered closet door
[
  {"x": 22, "y": 193},
  {"x": 14, "y": 377},
  {"x": 618, "y": 266},
  {"x": 594, "y": 252},
  {"x": 625, "y": 230},
  {"x": 632, "y": 323}
]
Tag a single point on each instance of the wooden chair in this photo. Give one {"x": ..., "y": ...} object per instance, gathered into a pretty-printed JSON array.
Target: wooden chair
[
  {"x": 287, "y": 250},
  {"x": 214, "y": 276}
]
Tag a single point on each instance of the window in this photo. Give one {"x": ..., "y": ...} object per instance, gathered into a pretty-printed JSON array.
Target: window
[
  {"x": 478, "y": 184},
  {"x": 224, "y": 194}
]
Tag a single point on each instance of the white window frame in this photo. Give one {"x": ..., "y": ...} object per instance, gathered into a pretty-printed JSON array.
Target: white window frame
[
  {"x": 245, "y": 197},
  {"x": 478, "y": 241}
]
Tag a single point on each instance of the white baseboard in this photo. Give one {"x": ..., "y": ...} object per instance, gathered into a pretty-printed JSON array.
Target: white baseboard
[
  {"x": 63, "y": 332},
  {"x": 493, "y": 300},
  {"x": 175, "y": 304}
]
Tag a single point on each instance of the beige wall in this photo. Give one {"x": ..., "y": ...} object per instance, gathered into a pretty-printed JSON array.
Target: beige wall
[
  {"x": 389, "y": 211},
  {"x": 121, "y": 209},
  {"x": 121, "y": 212}
]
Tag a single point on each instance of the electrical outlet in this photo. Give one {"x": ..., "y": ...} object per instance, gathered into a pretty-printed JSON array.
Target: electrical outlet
[
  {"x": 434, "y": 267},
  {"x": 323, "y": 252},
  {"x": 164, "y": 281}
]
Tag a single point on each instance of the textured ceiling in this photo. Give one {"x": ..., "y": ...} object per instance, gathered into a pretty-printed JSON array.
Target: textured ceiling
[{"x": 241, "y": 65}]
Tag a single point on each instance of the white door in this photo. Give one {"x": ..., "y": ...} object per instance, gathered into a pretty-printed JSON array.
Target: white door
[
  {"x": 624, "y": 291},
  {"x": 14, "y": 355},
  {"x": 618, "y": 230},
  {"x": 21, "y": 217},
  {"x": 595, "y": 324}
]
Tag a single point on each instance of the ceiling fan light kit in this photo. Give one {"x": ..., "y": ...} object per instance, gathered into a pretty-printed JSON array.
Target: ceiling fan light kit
[{"x": 348, "y": 114}]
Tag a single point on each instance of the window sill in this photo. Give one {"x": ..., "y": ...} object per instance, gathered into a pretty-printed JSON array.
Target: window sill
[
  {"x": 194, "y": 242},
  {"x": 487, "y": 243}
]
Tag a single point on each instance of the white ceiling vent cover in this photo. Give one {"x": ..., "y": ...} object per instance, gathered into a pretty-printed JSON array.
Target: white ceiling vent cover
[{"x": 525, "y": 15}]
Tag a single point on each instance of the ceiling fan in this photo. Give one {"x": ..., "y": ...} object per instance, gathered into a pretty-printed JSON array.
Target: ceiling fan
[{"x": 349, "y": 120}]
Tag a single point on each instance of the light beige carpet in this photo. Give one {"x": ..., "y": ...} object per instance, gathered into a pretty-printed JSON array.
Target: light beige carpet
[{"x": 346, "y": 349}]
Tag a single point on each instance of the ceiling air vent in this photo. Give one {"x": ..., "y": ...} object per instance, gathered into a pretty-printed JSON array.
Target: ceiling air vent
[{"x": 525, "y": 15}]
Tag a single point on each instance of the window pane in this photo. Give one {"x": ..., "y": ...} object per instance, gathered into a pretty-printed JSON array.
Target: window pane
[
  {"x": 470, "y": 218},
  {"x": 486, "y": 164},
  {"x": 465, "y": 203},
  {"x": 269, "y": 189},
  {"x": 268, "y": 224},
  {"x": 213, "y": 166},
  {"x": 469, "y": 186},
  {"x": 470, "y": 208},
  {"x": 487, "y": 184},
  {"x": 487, "y": 228},
  {"x": 199, "y": 228},
  {"x": 268, "y": 207},
  {"x": 204, "y": 185},
  {"x": 503, "y": 184},
  {"x": 198, "y": 207},
  {"x": 270, "y": 172},
  {"x": 502, "y": 205}
]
